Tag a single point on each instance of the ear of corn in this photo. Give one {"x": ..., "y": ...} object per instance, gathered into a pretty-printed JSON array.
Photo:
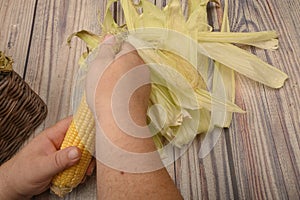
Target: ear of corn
[
  {"x": 81, "y": 133},
  {"x": 188, "y": 106}
]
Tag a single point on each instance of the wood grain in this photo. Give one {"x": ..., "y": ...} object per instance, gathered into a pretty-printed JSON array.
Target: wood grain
[
  {"x": 52, "y": 65},
  {"x": 16, "y": 19},
  {"x": 265, "y": 141}
]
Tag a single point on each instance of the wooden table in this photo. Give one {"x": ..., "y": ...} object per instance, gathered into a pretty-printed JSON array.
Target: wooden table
[{"x": 258, "y": 157}]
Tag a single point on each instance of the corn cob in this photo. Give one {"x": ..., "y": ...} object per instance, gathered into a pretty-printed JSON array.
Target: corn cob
[{"x": 81, "y": 133}]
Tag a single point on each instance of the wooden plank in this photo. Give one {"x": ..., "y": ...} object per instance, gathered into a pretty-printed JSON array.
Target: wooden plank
[
  {"x": 16, "y": 21},
  {"x": 265, "y": 141},
  {"x": 52, "y": 64},
  {"x": 51, "y": 61}
]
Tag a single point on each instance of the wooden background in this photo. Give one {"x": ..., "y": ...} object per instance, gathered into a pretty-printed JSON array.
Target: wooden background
[{"x": 258, "y": 157}]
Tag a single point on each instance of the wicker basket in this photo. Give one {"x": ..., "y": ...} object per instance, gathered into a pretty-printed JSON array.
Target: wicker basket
[{"x": 21, "y": 110}]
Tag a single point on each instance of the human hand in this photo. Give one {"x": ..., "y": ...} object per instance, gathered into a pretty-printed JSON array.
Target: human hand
[
  {"x": 111, "y": 69},
  {"x": 32, "y": 169},
  {"x": 118, "y": 87}
]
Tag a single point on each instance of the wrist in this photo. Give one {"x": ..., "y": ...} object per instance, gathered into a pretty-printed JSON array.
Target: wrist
[
  {"x": 5, "y": 189},
  {"x": 8, "y": 190}
]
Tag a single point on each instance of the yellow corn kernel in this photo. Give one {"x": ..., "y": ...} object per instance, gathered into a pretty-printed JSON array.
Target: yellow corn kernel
[{"x": 81, "y": 133}]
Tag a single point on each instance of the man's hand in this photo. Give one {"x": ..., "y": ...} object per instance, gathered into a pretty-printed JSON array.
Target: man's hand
[{"x": 30, "y": 172}]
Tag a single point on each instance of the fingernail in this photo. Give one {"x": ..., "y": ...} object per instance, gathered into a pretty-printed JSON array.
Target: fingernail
[
  {"x": 73, "y": 154},
  {"x": 90, "y": 172}
]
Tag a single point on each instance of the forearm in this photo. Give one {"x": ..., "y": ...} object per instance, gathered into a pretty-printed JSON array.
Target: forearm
[
  {"x": 154, "y": 182},
  {"x": 114, "y": 184},
  {"x": 7, "y": 190},
  {"x": 4, "y": 189},
  {"x": 118, "y": 184}
]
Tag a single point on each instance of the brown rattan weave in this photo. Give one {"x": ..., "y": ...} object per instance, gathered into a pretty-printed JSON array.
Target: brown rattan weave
[{"x": 21, "y": 111}]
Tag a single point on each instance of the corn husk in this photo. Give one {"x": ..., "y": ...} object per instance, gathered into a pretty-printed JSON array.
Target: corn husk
[
  {"x": 5, "y": 63},
  {"x": 180, "y": 52}
]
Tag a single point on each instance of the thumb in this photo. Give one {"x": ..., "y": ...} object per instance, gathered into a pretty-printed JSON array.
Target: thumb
[{"x": 62, "y": 160}]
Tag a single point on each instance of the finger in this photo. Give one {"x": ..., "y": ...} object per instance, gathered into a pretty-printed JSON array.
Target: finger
[
  {"x": 91, "y": 167},
  {"x": 60, "y": 160},
  {"x": 57, "y": 132}
]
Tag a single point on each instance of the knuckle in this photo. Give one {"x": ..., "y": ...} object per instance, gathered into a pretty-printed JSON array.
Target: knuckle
[{"x": 58, "y": 162}]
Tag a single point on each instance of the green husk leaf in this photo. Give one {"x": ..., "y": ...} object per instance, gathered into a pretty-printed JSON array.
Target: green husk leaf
[
  {"x": 209, "y": 102},
  {"x": 169, "y": 105},
  {"x": 204, "y": 121},
  {"x": 92, "y": 40},
  {"x": 187, "y": 131},
  {"x": 245, "y": 63},
  {"x": 174, "y": 17},
  {"x": 109, "y": 26},
  {"x": 264, "y": 39},
  {"x": 130, "y": 14},
  {"x": 197, "y": 21},
  {"x": 152, "y": 15}
]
